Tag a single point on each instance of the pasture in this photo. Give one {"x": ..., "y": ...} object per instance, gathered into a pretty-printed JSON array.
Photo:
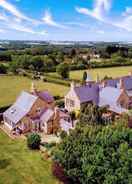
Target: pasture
[
  {"x": 102, "y": 72},
  {"x": 11, "y": 86}
]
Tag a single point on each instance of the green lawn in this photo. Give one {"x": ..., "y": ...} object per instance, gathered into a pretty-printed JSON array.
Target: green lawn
[
  {"x": 111, "y": 72},
  {"x": 19, "y": 165},
  {"x": 11, "y": 86}
]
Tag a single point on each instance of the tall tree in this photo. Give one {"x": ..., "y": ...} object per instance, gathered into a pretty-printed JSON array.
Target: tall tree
[
  {"x": 84, "y": 76},
  {"x": 63, "y": 70}
]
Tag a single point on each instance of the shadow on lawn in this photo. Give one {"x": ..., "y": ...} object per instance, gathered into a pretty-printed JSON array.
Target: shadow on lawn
[{"x": 4, "y": 163}]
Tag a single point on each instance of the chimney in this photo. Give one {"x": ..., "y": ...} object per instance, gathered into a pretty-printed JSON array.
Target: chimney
[
  {"x": 56, "y": 111},
  {"x": 33, "y": 88},
  {"x": 72, "y": 85},
  {"x": 121, "y": 83},
  {"x": 104, "y": 83},
  {"x": 130, "y": 73}
]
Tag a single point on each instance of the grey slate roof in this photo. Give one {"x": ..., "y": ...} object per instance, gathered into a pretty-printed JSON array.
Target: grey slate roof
[
  {"x": 127, "y": 80},
  {"x": 45, "y": 117},
  {"x": 46, "y": 96},
  {"x": 109, "y": 96},
  {"x": 88, "y": 93},
  {"x": 20, "y": 108}
]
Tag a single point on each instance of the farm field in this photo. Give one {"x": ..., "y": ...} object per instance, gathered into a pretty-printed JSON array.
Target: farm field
[
  {"x": 11, "y": 86},
  {"x": 20, "y": 165},
  {"x": 102, "y": 72}
]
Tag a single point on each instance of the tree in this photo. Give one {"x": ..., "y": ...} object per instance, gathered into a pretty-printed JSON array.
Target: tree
[
  {"x": 73, "y": 117},
  {"x": 95, "y": 155},
  {"x": 92, "y": 114},
  {"x": 3, "y": 69},
  {"x": 38, "y": 63},
  {"x": 5, "y": 56},
  {"x": 84, "y": 76},
  {"x": 60, "y": 57},
  {"x": 73, "y": 52},
  {"x": 14, "y": 66},
  {"x": 33, "y": 141},
  {"x": 63, "y": 70}
]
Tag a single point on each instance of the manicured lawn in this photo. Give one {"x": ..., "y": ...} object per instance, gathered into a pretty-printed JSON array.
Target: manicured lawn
[
  {"x": 111, "y": 72},
  {"x": 11, "y": 86},
  {"x": 19, "y": 165}
]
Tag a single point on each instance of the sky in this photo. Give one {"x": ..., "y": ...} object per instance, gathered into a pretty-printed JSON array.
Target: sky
[{"x": 66, "y": 20}]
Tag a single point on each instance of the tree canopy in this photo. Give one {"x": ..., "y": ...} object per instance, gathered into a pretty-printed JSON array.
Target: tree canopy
[
  {"x": 63, "y": 70},
  {"x": 97, "y": 155}
]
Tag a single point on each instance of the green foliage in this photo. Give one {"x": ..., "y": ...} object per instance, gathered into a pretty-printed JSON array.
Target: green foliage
[
  {"x": 33, "y": 141},
  {"x": 3, "y": 69},
  {"x": 13, "y": 67},
  {"x": 5, "y": 56},
  {"x": 63, "y": 70},
  {"x": 95, "y": 155},
  {"x": 60, "y": 103},
  {"x": 92, "y": 114},
  {"x": 84, "y": 76},
  {"x": 37, "y": 62},
  {"x": 63, "y": 134}
]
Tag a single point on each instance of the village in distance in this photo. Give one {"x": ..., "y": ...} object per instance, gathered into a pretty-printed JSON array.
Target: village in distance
[{"x": 65, "y": 101}]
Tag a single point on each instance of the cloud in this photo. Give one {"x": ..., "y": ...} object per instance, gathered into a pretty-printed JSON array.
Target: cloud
[
  {"x": 125, "y": 23},
  {"x": 3, "y": 17},
  {"x": 100, "y": 8},
  {"x": 100, "y": 32},
  {"x": 20, "y": 28},
  {"x": 25, "y": 29},
  {"x": 77, "y": 24},
  {"x": 128, "y": 11},
  {"x": 48, "y": 19},
  {"x": 14, "y": 11},
  {"x": 2, "y": 31}
]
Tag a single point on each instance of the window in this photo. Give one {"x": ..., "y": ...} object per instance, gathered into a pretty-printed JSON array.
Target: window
[
  {"x": 70, "y": 103},
  {"x": 38, "y": 110}
]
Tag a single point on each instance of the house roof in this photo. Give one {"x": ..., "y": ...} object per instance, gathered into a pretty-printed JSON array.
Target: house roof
[
  {"x": 45, "y": 117},
  {"x": 66, "y": 126},
  {"x": 127, "y": 81},
  {"x": 87, "y": 93},
  {"x": 21, "y": 107},
  {"x": 45, "y": 96},
  {"x": 129, "y": 93},
  {"x": 109, "y": 96}
]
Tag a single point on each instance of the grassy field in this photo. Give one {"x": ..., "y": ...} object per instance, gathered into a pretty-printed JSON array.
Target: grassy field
[
  {"x": 111, "y": 72},
  {"x": 19, "y": 165},
  {"x": 11, "y": 86}
]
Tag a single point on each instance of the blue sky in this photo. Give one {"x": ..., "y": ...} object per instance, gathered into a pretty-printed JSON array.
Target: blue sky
[{"x": 80, "y": 20}]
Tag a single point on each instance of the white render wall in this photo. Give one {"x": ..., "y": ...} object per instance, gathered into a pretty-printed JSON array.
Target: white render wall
[{"x": 72, "y": 96}]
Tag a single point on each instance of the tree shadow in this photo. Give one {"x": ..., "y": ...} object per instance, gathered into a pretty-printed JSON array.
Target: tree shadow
[{"x": 4, "y": 163}]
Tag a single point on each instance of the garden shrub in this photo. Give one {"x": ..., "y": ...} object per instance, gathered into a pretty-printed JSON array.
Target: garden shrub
[{"x": 33, "y": 141}]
